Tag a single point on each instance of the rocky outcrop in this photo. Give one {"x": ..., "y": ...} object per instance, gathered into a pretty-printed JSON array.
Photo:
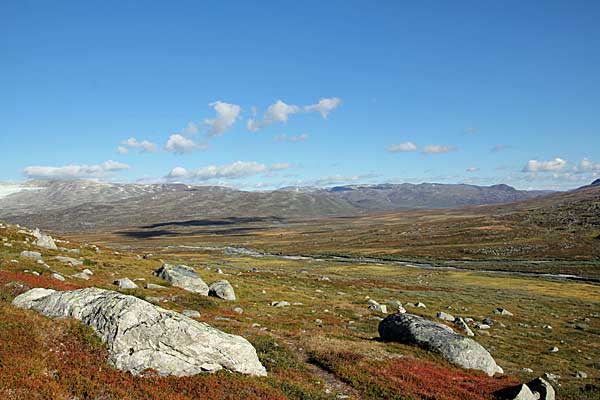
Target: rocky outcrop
[
  {"x": 222, "y": 289},
  {"x": 459, "y": 350},
  {"x": 184, "y": 277},
  {"x": 140, "y": 335}
]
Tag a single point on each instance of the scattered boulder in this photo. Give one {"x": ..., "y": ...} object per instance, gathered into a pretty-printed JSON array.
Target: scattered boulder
[
  {"x": 81, "y": 275},
  {"x": 462, "y": 325},
  {"x": 238, "y": 310},
  {"x": 280, "y": 303},
  {"x": 222, "y": 289},
  {"x": 460, "y": 350},
  {"x": 44, "y": 241},
  {"x": 125, "y": 283},
  {"x": 445, "y": 316},
  {"x": 184, "y": 277},
  {"x": 543, "y": 387},
  {"x": 69, "y": 260},
  {"x": 57, "y": 276},
  {"x": 31, "y": 254},
  {"x": 87, "y": 271},
  {"x": 140, "y": 335},
  {"x": 519, "y": 392},
  {"x": 154, "y": 286},
  {"x": 382, "y": 308},
  {"x": 503, "y": 311},
  {"x": 581, "y": 375},
  {"x": 191, "y": 313}
]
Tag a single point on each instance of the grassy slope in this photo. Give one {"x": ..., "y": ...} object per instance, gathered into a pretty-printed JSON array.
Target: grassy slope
[{"x": 42, "y": 358}]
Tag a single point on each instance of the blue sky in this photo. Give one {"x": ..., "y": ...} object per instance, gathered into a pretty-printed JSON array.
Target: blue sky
[{"x": 475, "y": 92}]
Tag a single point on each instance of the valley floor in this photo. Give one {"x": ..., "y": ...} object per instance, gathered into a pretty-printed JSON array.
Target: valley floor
[{"x": 323, "y": 346}]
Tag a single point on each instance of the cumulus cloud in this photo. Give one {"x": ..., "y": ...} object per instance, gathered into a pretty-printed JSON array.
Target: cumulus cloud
[
  {"x": 181, "y": 145},
  {"x": 587, "y": 165},
  {"x": 235, "y": 170},
  {"x": 227, "y": 114},
  {"x": 144, "y": 146},
  {"x": 324, "y": 106},
  {"x": 279, "y": 112},
  {"x": 438, "y": 149},
  {"x": 292, "y": 138},
  {"x": 557, "y": 164},
  {"x": 402, "y": 147},
  {"x": 75, "y": 171}
]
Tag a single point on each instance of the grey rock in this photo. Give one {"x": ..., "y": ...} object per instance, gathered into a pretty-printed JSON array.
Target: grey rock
[
  {"x": 462, "y": 325},
  {"x": 184, "y": 277},
  {"x": 87, "y": 271},
  {"x": 543, "y": 387},
  {"x": 58, "y": 276},
  {"x": 222, "y": 289},
  {"x": 154, "y": 286},
  {"x": 503, "y": 311},
  {"x": 519, "y": 392},
  {"x": 280, "y": 304},
  {"x": 44, "y": 241},
  {"x": 375, "y": 306},
  {"x": 81, "y": 275},
  {"x": 238, "y": 310},
  {"x": 445, "y": 316},
  {"x": 140, "y": 335},
  {"x": 69, "y": 260},
  {"x": 126, "y": 283},
  {"x": 460, "y": 350},
  {"x": 581, "y": 375},
  {"x": 191, "y": 313},
  {"x": 31, "y": 254}
]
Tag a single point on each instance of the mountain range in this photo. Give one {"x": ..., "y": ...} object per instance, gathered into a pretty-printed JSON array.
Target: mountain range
[{"x": 68, "y": 206}]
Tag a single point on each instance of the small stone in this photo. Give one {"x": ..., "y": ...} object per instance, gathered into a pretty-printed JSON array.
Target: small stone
[
  {"x": 238, "y": 310},
  {"x": 280, "y": 304},
  {"x": 554, "y": 349},
  {"x": 191, "y": 313},
  {"x": 57, "y": 276},
  {"x": 31, "y": 254},
  {"x": 445, "y": 316},
  {"x": 581, "y": 375},
  {"x": 503, "y": 311},
  {"x": 125, "y": 283}
]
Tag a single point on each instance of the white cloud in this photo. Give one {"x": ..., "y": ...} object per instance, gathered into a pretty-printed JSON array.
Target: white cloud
[
  {"x": 278, "y": 112},
  {"x": 438, "y": 149},
  {"x": 402, "y": 147},
  {"x": 235, "y": 170},
  {"x": 181, "y": 145},
  {"x": 144, "y": 146},
  {"x": 292, "y": 138},
  {"x": 122, "y": 150},
  {"x": 557, "y": 164},
  {"x": 472, "y": 169},
  {"x": 227, "y": 114},
  {"x": 587, "y": 165},
  {"x": 190, "y": 129},
  {"x": 75, "y": 171},
  {"x": 324, "y": 106},
  {"x": 280, "y": 166}
]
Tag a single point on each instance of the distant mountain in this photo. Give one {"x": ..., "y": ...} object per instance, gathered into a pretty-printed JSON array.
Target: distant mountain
[{"x": 85, "y": 205}]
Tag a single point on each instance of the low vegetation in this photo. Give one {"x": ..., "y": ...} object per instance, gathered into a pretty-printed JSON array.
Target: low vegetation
[{"x": 323, "y": 345}]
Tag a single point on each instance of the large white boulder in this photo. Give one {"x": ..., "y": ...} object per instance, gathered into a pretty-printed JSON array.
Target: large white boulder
[{"x": 140, "y": 335}]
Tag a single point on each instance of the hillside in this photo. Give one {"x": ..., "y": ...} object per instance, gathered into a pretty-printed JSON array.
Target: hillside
[{"x": 72, "y": 206}]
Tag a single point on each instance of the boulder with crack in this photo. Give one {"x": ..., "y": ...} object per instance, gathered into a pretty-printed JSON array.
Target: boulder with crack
[
  {"x": 140, "y": 335},
  {"x": 459, "y": 350}
]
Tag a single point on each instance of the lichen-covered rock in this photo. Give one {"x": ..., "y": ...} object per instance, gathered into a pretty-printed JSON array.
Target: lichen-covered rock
[
  {"x": 222, "y": 289},
  {"x": 140, "y": 335},
  {"x": 459, "y": 350},
  {"x": 184, "y": 277}
]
